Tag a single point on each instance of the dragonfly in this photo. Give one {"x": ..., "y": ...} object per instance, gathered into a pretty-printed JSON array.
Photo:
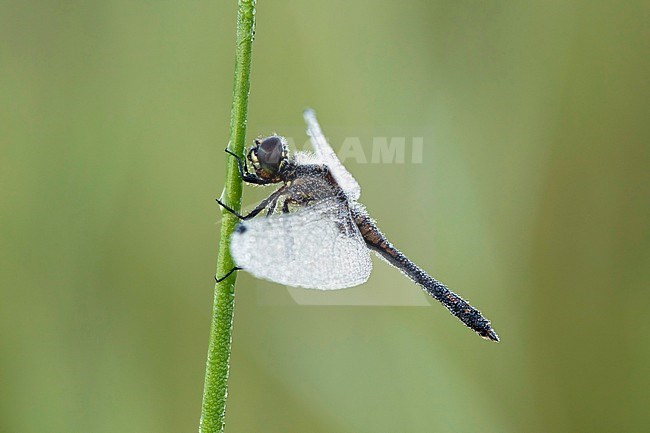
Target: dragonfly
[{"x": 315, "y": 234}]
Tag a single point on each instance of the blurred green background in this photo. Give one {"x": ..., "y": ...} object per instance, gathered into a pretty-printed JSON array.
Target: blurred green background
[{"x": 531, "y": 201}]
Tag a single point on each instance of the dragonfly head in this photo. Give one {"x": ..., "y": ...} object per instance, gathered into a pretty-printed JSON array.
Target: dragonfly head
[{"x": 267, "y": 156}]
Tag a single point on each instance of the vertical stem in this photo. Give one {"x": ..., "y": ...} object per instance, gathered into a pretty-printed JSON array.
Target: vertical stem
[{"x": 215, "y": 390}]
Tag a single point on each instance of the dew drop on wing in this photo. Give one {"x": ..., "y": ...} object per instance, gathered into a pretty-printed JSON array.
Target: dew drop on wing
[{"x": 306, "y": 248}]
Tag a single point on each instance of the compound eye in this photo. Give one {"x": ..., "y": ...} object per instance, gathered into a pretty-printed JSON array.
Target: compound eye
[
  {"x": 270, "y": 153},
  {"x": 270, "y": 150}
]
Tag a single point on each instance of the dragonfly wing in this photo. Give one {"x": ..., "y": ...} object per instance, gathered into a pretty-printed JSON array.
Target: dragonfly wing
[
  {"x": 325, "y": 153},
  {"x": 316, "y": 247}
]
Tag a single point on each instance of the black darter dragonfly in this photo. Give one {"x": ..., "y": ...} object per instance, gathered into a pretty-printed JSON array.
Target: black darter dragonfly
[{"x": 315, "y": 234}]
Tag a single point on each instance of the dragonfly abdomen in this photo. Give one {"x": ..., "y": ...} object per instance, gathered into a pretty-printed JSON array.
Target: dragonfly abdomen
[{"x": 460, "y": 308}]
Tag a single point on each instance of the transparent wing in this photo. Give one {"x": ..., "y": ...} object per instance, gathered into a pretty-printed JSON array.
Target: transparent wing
[
  {"x": 325, "y": 153},
  {"x": 316, "y": 247}
]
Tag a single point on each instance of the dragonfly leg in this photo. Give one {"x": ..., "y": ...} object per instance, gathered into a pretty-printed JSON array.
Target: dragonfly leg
[
  {"x": 244, "y": 173},
  {"x": 237, "y": 214},
  {"x": 218, "y": 280},
  {"x": 296, "y": 202},
  {"x": 285, "y": 206},
  {"x": 243, "y": 166},
  {"x": 271, "y": 207},
  {"x": 259, "y": 208}
]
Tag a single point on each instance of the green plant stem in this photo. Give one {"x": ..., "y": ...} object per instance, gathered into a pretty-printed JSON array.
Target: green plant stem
[{"x": 215, "y": 390}]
